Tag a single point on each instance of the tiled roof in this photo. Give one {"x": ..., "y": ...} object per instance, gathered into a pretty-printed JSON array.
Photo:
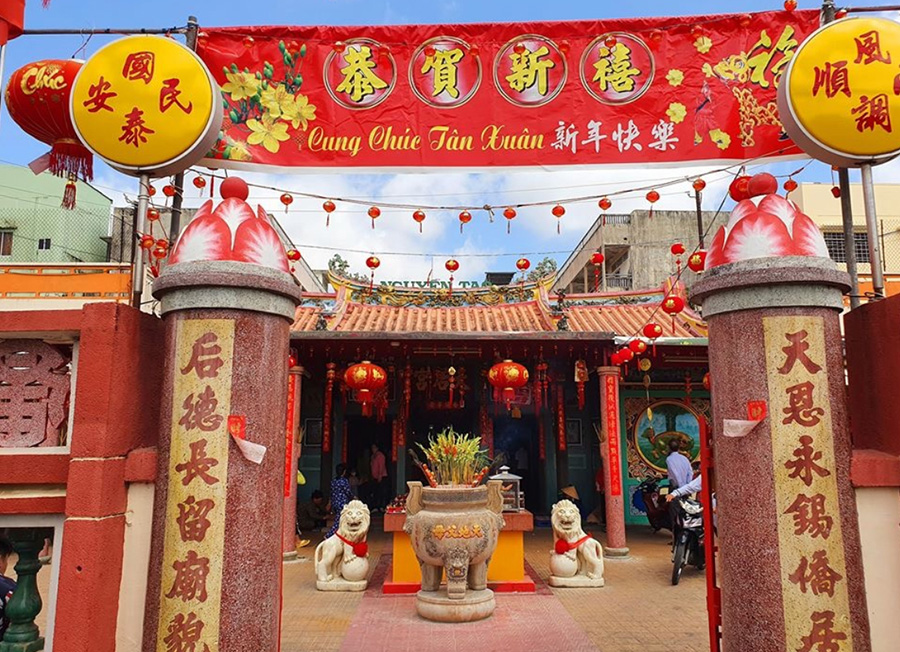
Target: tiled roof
[{"x": 629, "y": 319}]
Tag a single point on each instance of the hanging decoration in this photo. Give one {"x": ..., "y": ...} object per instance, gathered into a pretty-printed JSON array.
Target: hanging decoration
[
  {"x": 329, "y": 207},
  {"x": 419, "y": 216},
  {"x": 560, "y": 417},
  {"x": 507, "y": 376},
  {"x": 374, "y": 212},
  {"x": 638, "y": 347},
  {"x": 597, "y": 262},
  {"x": 581, "y": 378},
  {"x": 395, "y": 436},
  {"x": 293, "y": 256},
  {"x": 287, "y": 199},
  {"x": 540, "y": 385},
  {"x": 451, "y": 375},
  {"x": 677, "y": 250},
  {"x": 697, "y": 261},
  {"x": 37, "y": 97},
  {"x": 169, "y": 190},
  {"x": 789, "y": 186},
  {"x": 407, "y": 391},
  {"x": 651, "y": 331},
  {"x": 652, "y": 197},
  {"x": 372, "y": 263},
  {"x": 510, "y": 214},
  {"x": 452, "y": 265},
  {"x": 672, "y": 305},
  {"x": 330, "y": 375},
  {"x": 523, "y": 264},
  {"x": 199, "y": 183},
  {"x": 365, "y": 379},
  {"x": 605, "y": 204},
  {"x": 699, "y": 185},
  {"x": 464, "y": 218},
  {"x": 558, "y": 211},
  {"x": 739, "y": 188}
]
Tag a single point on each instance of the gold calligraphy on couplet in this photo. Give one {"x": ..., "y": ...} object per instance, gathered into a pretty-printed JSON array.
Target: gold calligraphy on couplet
[
  {"x": 811, "y": 546},
  {"x": 191, "y": 589}
]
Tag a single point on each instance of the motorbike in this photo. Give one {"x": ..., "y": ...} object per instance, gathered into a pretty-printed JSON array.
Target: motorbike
[
  {"x": 688, "y": 546},
  {"x": 648, "y": 500}
]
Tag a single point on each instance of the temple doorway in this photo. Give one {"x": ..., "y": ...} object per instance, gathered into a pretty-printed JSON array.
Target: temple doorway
[
  {"x": 362, "y": 432},
  {"x": 516, "y": 436}
]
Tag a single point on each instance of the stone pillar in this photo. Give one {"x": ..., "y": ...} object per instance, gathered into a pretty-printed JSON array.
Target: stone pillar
[
  {"x": 215, "y": 569},
  {"x": 610, "y": 453},
  {"x": 791, "y": 567},
  {"x": 292, "y": 452}
]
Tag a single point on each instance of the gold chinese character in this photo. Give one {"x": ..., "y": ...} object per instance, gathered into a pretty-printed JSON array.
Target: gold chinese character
[
  {"x": 528, "y": 69},
  {"x": 360, "y": 81},
  {"x": 763, "y": 61},
  {"x": 443, "y": 63},
  {"x": 614, "y": 69}
]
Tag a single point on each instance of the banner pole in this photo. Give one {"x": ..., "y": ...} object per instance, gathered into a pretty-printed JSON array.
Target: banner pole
[
  {"x": 868, "y": 187},
  {"x": 137, "y": 279},
  {"x": 178, "y": 199}
]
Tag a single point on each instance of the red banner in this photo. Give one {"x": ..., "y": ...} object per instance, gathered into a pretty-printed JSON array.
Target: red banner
[
  {"x": 520, "y": 94},
  {"x": 289, "y": 477},
  {"x": 611, "y": 390}
]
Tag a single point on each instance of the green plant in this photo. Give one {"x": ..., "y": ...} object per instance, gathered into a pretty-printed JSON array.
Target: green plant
[{"x": 455, "y": 458}]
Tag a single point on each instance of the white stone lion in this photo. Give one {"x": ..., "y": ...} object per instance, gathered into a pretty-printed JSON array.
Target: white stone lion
[
  {"x": 342, "y": 560},
  {"x": 576, "y": 558}
]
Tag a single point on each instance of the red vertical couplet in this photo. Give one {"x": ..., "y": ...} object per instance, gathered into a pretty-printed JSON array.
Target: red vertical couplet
[
  {"x": 561, "y": 418},
  {"x": 326, "y": 416},
  {"x": 395, "y": 438},
  {"x": 611, "y": 396},
  {"x": 542, "y": 440},
  {"x": 344, "y": 444},
  {"x": 289, "y": 435}
]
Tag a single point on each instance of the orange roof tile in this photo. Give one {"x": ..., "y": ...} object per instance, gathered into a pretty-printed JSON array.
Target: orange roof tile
[{"x": 629, "y": 319}]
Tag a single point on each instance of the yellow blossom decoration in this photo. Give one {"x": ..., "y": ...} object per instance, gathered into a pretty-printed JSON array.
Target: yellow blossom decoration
[
  {"x": 720, "y": 138},
  {"x": 277, "y": 100},
  {"x": 703, "y": 44},
  {"x": 240, "y": 85},
  {"x": 675, "y": 77},
  {"x": 239, "y": 151},
  {"x": 299, "y": 112},
  {"x": 267, "y": 132},
  {"x": 676, "y": 112}
]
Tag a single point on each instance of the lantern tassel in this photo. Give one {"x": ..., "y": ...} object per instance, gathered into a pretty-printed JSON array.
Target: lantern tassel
[
  {"x": 420, "y": 226},
  {"x": 507, "y": 227},
  {"x": 460, "y": 228},
  {"x": 557, "y": 229},
  {"x": 70, "y": 158},
  {"x": 68, "y": 200},
  {"x": 373, "y": 225},
  {"x": 328, "y": 220}
]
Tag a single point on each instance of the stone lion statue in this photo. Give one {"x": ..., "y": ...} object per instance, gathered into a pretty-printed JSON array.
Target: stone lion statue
[
  {"x": 342, "y": 560},
  {"x": 577, "y": 558}
]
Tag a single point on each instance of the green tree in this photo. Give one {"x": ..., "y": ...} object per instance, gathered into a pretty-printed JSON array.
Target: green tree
[
  {"x": 543, "y": 269},
  {"x": 341, "y": 267}
]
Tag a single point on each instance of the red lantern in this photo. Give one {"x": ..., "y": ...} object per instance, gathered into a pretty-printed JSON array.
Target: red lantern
[
  {"x": 329, "y": 207},
  {"x": 37, "y": 97},
  {"x": 374, "y": 212},
  {"x": 652, "y": 197},
  {"x": 626, "y": 354},
  {"x": 287, "y": 200},
  {"x": 365, "y": 379},
  {"x": 510, "y": 215},
  {"x": 615, "y": 359},
  {"x": 597, "y": 262},
  {"x": 507, "y": 377},
  {"x": 147, "y": 242},
  {"x": 790, "y": 186},
  {"x": 699, "y": 185},
  {"x": 697, "y": 261},
  {"x": 169, "y": 190},
  {"x": 677, "y": 249},
  {"x": 199, "y": 183},
  {"x": 464, "y": 218},
  {"x": 672, "y": 305},
  {"x": 292, "y": 255},
  {"x": 652, "y": 330},
  {"x": 372, "y": 262},
  {"x": 523, "y": 264},
  {"x": 519, "y": 48},
  {"x": 739, "y": 189},
  {"x": 790, "y": 5},
  {"x": 637, "y": 346},
  {"x": 152, "y": 215},
  {"x": 430, "y": 50},
  {"x": 558, "y": 211},
  {"x": 452, "y": 265},
  {"x": 152, "y": 191},
  {"x": 835, "y": 192},
  {"x": 610, "y": 42},
  {"x": 419, "y": 216},
  {"x": 160, "y": 252},
  {"x": 605, "y": 204}
]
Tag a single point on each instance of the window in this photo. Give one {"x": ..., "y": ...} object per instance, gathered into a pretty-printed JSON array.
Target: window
[
  {"x": 6, "y": 243},
  {"x": 834, "y": 240},
  {"x": 44, "y": 244}
]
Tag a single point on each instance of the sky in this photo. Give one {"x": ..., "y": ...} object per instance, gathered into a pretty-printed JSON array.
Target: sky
[{"x": 484, "y": 246}]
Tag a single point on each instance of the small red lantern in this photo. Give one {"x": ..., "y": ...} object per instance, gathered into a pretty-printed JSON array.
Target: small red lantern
[
  {"x": 677, "y": 249},
  {"x": 169, "y": 190},
  {"x": 374, "y": 212},
  {"x": 372, "y": 262},
  {"x": 637, "y": 346},
  {"x": 739, "y": 189},
  {"x": 523, "y": 264},
  {"x": 510, "y": 215},
  {"x": 292, "y": 361},
  {"x": 605, "y": 204},
  {"x": 507, "y": 377},
  {"x": 697, "y": 261},
  {"x": 626, "y": 354},
  {"x": 37, "y": 97},
  {"x": 430, "y": 51},
  {"x": 452, "y": 265},
  {"x": 160, "y": 252},
  {"x": 287, "y": 200},
  {"x": 597, "y": 262},
  {"x": 610, "y": 41},
  {"x": 652, "y": 197},
  {"x": 836, "y": 192},
  {"x": 672, "y": 305},
  {"x": 790, "y": 5},
  {"x": 558, "y": 212},
  {"x": 292, "y": 255},
  {"x": 152, "y": 215},
  {"x": 699, "y": 185},
  {"x": 519, "y": 48},
  {"x": 147, "y": 242},
  {"x": 790, "y": 186},
  {"x": 464, "y": 218},
  {"x": 615, "y": 359},
  {"x": 706, "y": 381},
  {"x": 419, "y": 216},
  {"x": 151, "y": 191},
  {"x": 338, "y": 47},
  {"x": 652, "y": 330},
  {"x": 199, "y": 182},
  {"x": 365, "y": 379},
  {"x": 329, "y": 207}
]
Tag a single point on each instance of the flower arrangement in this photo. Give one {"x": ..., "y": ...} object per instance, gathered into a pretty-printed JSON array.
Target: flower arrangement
[
  {"x": 453, "y": 459},
  {"x": 266, "y": 103}
]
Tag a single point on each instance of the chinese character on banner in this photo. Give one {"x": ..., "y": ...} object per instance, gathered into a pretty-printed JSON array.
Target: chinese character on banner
[
  {"x": 444, "y": 73},
  {"x": 801, "y": 409},
  {"x": 566, "y": 137},
  {"x": 803, "y": 465},
  {"x": 139, "y": 66},
  {"x": 796, "y": 352},
  {"x": 205, "y": 358},
  {"x": 530, "y": 70},
  {"x": 872, "y": 112},
  {"x": 184, "y": 633},
  {"x": 168, "y": 96},
  {"x": 190, "y": 578},
  {"x": 625, "y": 137},
  {"x": 868, "y": 49},
  {"x": 192, "y": 518},
  {"x": 816, "y": 575},
  {"x": 360, "y": 80},
  {"x": 202, "y": 412},
  {"x": 594, "y": 136},
  {"x": 99, "y": 96},
  {"x": 822, "y": 638},
  {"x": 134, "y": 131},
  {"x": 619, "y": 73},
  {"x": 361, "y": 74},
  {"x": 614, "y": 70},
  {"x": 442, "y": 64},
  {"x": 198, "y": 466},
  {"x": 767, "y": 58},
  {"x": 810, "y": 517},
  {"x": 664, "y": 132},
  {"x": 833, "y": 78}
]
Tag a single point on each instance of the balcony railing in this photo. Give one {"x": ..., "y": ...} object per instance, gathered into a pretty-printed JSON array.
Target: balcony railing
[{"x": 82, "y": 282}]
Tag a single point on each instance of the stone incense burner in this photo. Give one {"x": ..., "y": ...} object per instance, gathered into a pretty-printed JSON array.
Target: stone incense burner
[{"x": 454, "y": 528}]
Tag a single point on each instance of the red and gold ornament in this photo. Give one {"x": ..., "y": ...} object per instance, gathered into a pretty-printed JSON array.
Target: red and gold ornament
[
  {"x": 672, "y": 305},
  {"x": 374, "y": 212},
  {"x": 651, "y": 331},
  {"x": 697, "y": 261},
  {"x": 558, "y": 211},
  {"x": 328, "y": 206},
  {"x": 464, "y": 218},
  {"x": 510, "y": 214},
  {"x": 597, "y": 262},
  {"x": 365, "y": 379},
  {"x": 652, "y": 197},
  {"x": 523, "y": 264},
  {"x": 419, "y": 216},
  {"x": 507, "y": 377},
  {"x": 287, "y": 199}
]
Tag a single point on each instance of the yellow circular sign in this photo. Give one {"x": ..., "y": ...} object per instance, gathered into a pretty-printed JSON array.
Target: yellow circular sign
[
  {"x": 839, "y": 99},
  {"x": 146, "y": 105}
]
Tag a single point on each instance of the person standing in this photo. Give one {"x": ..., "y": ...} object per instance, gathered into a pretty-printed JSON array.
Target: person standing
[
  {"x": 379, "y": 477},
  {"x": 7, "y": 586},
  {"x": 340, "y": 496},
  {"x": 678, "y": 466}
]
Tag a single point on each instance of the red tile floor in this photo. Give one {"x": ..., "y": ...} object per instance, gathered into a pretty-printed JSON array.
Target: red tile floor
[{"x": 637, "y": 610}]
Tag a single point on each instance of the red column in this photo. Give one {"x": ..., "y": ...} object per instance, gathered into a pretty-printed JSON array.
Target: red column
[
  {"x": 292, "y": 452},
  {"x": 610, "y": 452}
]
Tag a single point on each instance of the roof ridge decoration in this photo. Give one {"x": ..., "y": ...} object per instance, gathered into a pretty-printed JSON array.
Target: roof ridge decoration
[{"x": 356, "y": 291}]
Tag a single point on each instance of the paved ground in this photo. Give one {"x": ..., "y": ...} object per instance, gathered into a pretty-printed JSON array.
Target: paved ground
[{"x": 637, "y": 610}]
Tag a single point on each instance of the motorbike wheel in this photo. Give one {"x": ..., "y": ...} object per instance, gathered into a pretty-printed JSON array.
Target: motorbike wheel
[{"x": 679, "y": 560}]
